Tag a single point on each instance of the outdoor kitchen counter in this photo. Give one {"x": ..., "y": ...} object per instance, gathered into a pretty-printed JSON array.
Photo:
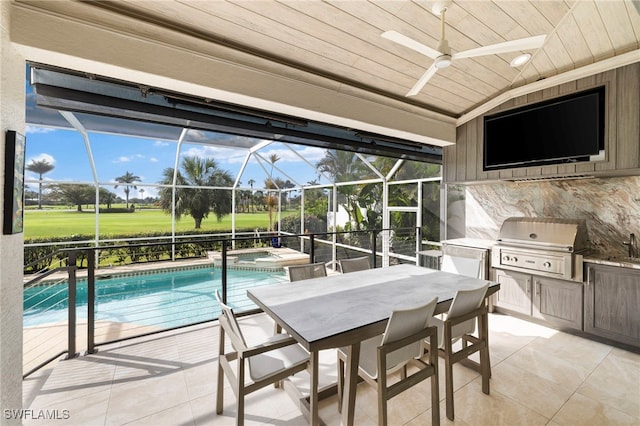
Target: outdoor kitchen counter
[{"x": 618, "y": 261}]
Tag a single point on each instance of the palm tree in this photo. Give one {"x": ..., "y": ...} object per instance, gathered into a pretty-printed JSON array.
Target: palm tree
[
  {"x": 272, "y": 159},
  {"x": 41, "y": 167},
  {"x": 75, "y": 194},
  {"x": 287, "y": 184},
  {"x": 128, "y": 179},
  {"x": 251, "y": 182},
  {"x": 271, "y": 200},
  {"x": 344, "y": 166},
  {"x": 191, "y": 195},
  {"x": 107, "y": 197}
]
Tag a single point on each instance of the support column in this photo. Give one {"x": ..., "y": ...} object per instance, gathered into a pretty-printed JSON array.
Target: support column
[{"x": 12, "y": 117}]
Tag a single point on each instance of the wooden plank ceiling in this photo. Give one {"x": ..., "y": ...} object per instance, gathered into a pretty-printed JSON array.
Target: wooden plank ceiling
[{"x": 342, "y": 40}]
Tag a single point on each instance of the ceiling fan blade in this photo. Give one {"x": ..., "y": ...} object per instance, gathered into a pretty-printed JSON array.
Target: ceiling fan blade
[
  {"x": 411, "y": 44},
  {"x": 507, "y": 46},
  {"x": 423, "y": 80}
]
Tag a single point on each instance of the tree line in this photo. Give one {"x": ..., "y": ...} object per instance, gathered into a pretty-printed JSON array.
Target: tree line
[{"x": 202, "y": 189}]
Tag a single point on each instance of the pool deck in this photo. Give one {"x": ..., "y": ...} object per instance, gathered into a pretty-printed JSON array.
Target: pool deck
[
  {"x": 42, "y": 341},
  {"x": 538, "y": 378}
]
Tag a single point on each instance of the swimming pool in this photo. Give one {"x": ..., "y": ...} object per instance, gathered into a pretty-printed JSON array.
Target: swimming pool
[{"x": 163, "y": 300}]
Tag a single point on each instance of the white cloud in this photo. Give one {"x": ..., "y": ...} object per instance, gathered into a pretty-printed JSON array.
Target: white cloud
[
  {"x": 309, "y": 153},
  {"x": 161, "y": 143},
  {"x": 130, "y": 158},
  {"x": 37, "y": 129},
  {"x": 221, "y": 155},
  {"x": 43, "y": 157},
  {"x": 153, "y": 160}
]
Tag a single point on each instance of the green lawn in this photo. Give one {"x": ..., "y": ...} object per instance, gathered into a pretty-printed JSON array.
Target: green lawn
[{"x": 51, "y": 223}]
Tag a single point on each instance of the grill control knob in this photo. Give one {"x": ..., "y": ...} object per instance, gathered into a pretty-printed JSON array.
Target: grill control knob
[
  {"x": 515, "y": 259},
  {"x": 547, "y": 264}
]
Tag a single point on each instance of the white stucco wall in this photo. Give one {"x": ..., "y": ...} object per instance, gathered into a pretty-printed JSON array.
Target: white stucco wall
[{"x": 12, "y": 117}]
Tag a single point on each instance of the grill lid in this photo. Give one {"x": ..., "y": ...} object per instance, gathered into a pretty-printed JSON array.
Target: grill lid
[{"x": 545, "y": 232}]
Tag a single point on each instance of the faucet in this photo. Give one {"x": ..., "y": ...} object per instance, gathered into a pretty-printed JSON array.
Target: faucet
[{"x": 633, "y": 250}]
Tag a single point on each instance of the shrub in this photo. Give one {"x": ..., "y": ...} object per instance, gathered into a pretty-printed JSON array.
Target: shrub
[
  {"x": 312, "y": 223},
  {"x": 118, "y": 210},
  {"x": 143, "y": 247}
]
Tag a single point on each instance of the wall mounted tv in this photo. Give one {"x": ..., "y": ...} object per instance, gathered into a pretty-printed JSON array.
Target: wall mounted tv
[{"x": 562, "y": 130}]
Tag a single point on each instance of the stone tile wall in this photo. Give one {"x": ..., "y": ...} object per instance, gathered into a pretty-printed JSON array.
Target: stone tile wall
[{"x": 611, "y": 207}]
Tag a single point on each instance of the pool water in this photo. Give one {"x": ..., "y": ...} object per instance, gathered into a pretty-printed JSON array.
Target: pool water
[{"x": 166, "y": 299}]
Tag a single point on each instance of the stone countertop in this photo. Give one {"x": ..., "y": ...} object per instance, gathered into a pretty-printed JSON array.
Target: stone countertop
[
  {"x": 622, "y": 262},
  {"x": 470, "y": 242}
]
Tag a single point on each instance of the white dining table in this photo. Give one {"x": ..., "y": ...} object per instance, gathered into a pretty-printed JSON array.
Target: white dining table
[{"x": 342, "y": 310}]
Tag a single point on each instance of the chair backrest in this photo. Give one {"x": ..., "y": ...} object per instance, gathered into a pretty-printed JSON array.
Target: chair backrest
[
  {"x": 461, "y": 265},
  {"x": 305, "y": 272},
  {"x": 355, "y": 264},
  {"x": 464, "y": 302},
  {"x": 230, "y": 316},
  {"x": 403, "y": 323}
]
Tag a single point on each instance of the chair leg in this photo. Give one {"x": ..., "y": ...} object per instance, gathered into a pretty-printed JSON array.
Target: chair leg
[
  {"x": 382, "y": 400},
  {"x": 240, "y": 413},
  {"x": 484, "y": 327},
  {"x": 220, "y": 384},
  {"x": 485, "y": 364},
  {"x": 435, "y": 388},
  {"x": 340, "y": 383},
  {"x": 435, "y": 400},
  {"x": 448, "y": 373},
  {"x": 277, "y": 330},
  {"x": 240, "y": 402},
  {"x": 485, "y": 369}
]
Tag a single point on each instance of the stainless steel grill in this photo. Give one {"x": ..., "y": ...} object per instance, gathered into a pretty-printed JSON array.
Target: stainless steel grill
[{"x": 545, "y": 246}]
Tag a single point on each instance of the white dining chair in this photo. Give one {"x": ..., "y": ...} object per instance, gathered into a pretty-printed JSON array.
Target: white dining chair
[
  {"x": 461, "y": 266},
  {"x": 467, "y": 308},
  {"x": 400, "y": 345},
  {"x": 270, "y": 361},
  {"x": 355, "y": 264}
]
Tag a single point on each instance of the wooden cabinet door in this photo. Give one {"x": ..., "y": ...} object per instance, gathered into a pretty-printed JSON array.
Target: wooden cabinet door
[
  {"x": 515, "y": 292},
  {"x": 612, "y": 303},
  {"x": 558, "y": 302}
]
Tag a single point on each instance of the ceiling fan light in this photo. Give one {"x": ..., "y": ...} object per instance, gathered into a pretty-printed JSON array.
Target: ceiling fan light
[
  {"x": 438, "y": 6},
  {"x": 443, "y": 61},
  {"x": 520, "y": 60}
]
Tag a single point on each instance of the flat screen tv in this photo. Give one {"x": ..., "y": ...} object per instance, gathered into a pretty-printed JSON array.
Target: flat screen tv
[{"x": 561, "y": 130}]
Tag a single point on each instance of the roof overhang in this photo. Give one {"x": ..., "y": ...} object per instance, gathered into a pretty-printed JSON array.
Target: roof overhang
[{"x": 105, "y": 105}]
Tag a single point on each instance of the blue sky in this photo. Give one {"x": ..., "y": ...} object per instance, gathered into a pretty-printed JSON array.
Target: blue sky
[{"x": 114, "y": 155}]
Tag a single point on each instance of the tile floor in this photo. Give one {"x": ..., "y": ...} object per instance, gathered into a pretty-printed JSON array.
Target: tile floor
[{"x": 540, "y": 377}]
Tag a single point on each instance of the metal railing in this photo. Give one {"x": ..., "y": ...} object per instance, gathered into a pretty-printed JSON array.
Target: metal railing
[
  {"x": 110, "y": 304},
  {"x": 34, "y": 360}
]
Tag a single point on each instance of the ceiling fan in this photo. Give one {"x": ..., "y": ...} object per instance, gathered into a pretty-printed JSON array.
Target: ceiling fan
[{"x": 442, "y": 55}]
